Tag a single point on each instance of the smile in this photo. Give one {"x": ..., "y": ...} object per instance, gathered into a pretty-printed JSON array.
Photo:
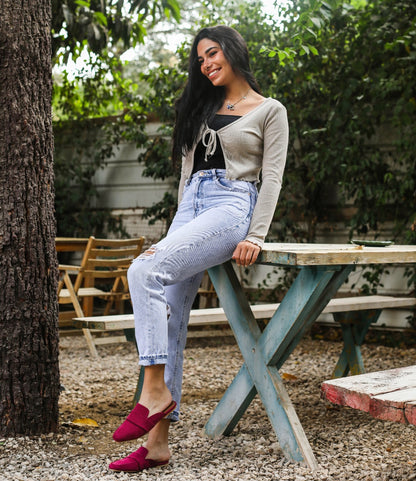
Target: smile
[{"x": 213, "y": 72}]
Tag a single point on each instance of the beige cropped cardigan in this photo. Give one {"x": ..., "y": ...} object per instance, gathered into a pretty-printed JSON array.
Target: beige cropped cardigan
[{"x": 256, "y": 142}]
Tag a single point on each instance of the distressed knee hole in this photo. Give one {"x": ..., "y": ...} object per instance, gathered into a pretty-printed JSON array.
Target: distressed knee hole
[{"x": 148, "y": 253}]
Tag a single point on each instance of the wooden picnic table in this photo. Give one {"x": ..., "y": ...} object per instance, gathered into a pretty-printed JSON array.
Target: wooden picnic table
[{"x": 323, "y": 268}]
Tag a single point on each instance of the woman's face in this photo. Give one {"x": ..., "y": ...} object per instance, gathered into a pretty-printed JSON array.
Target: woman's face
[{"x": 213, "y": 63}]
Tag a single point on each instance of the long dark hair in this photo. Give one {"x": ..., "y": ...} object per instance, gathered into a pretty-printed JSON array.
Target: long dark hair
[{"x": 200, "y": 100}]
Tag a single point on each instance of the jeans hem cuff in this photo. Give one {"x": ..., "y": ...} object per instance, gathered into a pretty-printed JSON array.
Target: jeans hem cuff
[{"x": 152, "y": 360}]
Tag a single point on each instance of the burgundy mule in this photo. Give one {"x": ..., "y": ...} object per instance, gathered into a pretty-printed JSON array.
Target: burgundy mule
[
  {"x": 138, "y": 422},
  {"x": 136, "y": 462}
]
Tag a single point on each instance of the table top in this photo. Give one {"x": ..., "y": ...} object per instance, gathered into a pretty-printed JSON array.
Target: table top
[{"x": 294, "y": 254}]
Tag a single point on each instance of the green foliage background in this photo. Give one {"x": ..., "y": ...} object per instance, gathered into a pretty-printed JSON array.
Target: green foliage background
[
  {"x": 345, "y": 72},
  {"x": 346, "y": 76}
]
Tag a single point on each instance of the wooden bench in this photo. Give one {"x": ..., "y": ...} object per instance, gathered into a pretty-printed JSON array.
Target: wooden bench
[
  {"x": 354, "y": 314},
  {"x": 388, "y": 395}
]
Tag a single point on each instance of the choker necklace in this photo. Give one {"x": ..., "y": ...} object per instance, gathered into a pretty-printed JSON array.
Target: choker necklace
[{"x": 232, "y": 106}]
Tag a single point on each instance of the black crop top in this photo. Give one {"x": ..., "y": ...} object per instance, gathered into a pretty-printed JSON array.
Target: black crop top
[{"x": 216, "y": 160}]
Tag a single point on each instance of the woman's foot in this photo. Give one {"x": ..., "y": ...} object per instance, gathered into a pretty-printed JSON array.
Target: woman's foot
[
  {"x": 155, "y": 451},
  {"x": 140, "y": 421},
  {"x": 137, "y": 461},
  {"x": 155, "y": 404}
]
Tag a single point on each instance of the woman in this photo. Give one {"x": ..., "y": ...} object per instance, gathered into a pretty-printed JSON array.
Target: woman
[{"x": 226, "y": 133}]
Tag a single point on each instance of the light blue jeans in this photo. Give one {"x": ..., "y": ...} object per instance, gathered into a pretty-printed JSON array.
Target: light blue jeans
[{"x": 212, "y": 218}]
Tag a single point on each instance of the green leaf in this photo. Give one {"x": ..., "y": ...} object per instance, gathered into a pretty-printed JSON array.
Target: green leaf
[
  {"x": 328, "y": 5},
  {"x": 313, "y": 49},
  {"x": 282, "y": 55},
  {"x": 83, "y": 3},
  {"x": 311, "y": 32},
  {"x": 101, "y": 18},
  {"x": 175, "y": 9},
  {"x": 316, "y": 21},
  {"x": 304, "y": 50}
]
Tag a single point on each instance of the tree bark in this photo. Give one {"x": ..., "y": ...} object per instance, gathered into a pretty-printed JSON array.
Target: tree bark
[{"x": 29, "y": 369}]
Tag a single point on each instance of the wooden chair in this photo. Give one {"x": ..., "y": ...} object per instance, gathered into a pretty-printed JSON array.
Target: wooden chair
[
  {"x": 68, "y": 245},
  {"x": 101, "y": 275},
  {"x": 206, "y": 292}
]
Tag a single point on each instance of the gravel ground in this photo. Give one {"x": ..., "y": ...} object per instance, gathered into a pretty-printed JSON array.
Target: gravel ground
[{"x": 349, "y": 445}]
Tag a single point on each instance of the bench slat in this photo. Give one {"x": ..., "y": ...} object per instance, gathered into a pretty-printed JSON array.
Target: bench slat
[
  {"x": 391, "y": 406},
  {"x": 388, "y": 395},
  {"x": 216, "y": 315},
  {"x": 344, "y": 304},
  {"x": 109, "y": 340}
]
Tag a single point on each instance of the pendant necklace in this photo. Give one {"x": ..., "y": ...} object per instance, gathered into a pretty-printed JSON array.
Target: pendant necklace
[{"x": 232, "y": 106}]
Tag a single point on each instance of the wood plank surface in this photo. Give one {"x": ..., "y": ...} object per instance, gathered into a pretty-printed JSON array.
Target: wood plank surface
[
  {"x": 388, "y": 395},
  {"x": 70, "y": 244},
  {"x": 334, "y": 254},
  {"x": 410, "y": 412},
  {"x": 216, "y": 315},
  {"x": 346, "y": 304},
  {"x": 391, "y": 406}
]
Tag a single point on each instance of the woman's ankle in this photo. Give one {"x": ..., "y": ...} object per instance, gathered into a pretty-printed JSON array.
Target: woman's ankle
[
  {"x": 158, "y": 452},
  {"x": 156, "y": 399},
  {"x": 158, "y": 441}
]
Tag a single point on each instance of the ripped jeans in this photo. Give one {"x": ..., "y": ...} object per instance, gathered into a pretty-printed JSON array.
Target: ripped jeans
[{"x": 212, "y": 218}]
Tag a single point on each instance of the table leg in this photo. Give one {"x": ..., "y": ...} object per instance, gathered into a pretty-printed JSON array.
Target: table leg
[
  {"x": 354, "y": 327},
  {"x": 139, "y": 387},
  {"x": 265, "y": 352},
  {"x": 232, "y": 406},
  {"x": 131, "y": 337}
]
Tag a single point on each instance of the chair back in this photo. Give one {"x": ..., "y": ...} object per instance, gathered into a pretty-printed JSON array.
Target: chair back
[{"x": 107, "y": 259}]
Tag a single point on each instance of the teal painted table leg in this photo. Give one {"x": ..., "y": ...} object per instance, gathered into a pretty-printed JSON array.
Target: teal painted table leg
[
  {"x": 131, "y": 337},
  {"x": 265, "y": 352},
  {"x": 309, "y": 294},
  {"x": 232, "y": 406},
  {"x": 354, "y": 327},
  {"x": 352, "y": 350},
  {"x": 139, "y": 387}
]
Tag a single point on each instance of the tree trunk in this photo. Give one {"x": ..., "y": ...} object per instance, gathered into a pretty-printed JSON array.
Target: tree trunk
[{"x": 29, "y": 370}]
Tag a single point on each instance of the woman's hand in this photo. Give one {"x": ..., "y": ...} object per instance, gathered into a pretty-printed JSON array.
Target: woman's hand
[{"x": 246, "y": 253}]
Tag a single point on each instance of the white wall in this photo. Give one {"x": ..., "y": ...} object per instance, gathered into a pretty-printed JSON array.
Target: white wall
[
  {"x": 121, "y": 184},
  {"x": 123, "y": 189}
]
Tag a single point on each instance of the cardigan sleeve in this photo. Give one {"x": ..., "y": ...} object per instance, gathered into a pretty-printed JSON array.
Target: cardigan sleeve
[{"x": 275, "y": 142}]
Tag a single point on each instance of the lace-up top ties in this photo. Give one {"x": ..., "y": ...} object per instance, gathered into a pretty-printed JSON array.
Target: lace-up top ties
[
  {"x": 209, "y": 141},
  {"x": 256, "y": 142},
  {"x": 208, "y": 153}
]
